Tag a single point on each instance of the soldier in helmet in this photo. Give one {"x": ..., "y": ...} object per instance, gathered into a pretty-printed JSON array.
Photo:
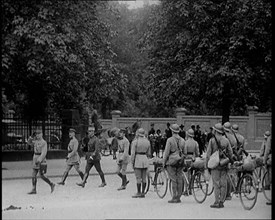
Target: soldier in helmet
[
  {"x": 219, "y": 173},
  {"x": 174, "y": 146},
  {"x": 191, "y": 151},
  {"x": 140, "y": 151}
]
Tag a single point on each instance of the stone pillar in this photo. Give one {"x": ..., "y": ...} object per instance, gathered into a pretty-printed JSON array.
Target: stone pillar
[
  {"x": 180, "y": 113},
  {"x": 115, "y": 115},
  {"x": 70, "y": 119},
  {"x": 251, "y": 126}
]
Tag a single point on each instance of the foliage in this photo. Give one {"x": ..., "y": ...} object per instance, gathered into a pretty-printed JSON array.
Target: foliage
[
  {"x": 212, "y": 57},
  {"x": 57, "y": 54}
]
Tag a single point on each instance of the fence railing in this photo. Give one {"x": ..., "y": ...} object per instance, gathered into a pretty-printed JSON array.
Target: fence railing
[{"x": 16, "y": 131}]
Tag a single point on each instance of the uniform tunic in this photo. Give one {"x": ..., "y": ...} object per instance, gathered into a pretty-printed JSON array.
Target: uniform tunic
[
  {"x": 268, "y": 152},
  {"x": 140, "y": 151},
  {"x": 174, "y": 145},
  {"x": 240, "y": 139},
  {"x": 73, "y": 156},
  {"x": 212, "y": 147},
  {"x": 262, "y": 150},
  {"x": 231, "y": 138},
  {"x": 93, "y": 149},
  {"x": 123, "y": 149},
  {"x": 40, "y": 152},
  {"x": 191, "y": 148}
]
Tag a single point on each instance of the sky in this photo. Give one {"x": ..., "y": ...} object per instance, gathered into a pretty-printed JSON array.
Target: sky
[{"x": 137, "y": 3}]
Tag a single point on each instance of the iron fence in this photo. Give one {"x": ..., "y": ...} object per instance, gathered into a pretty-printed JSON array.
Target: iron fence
[{"x": 16, "y": 131}]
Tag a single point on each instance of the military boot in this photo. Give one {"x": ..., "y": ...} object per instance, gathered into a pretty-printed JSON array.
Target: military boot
[
  {"x": 143, "y": 190},
  {"x": 63, "y": 179},
  {"x": 33, "y": 191},
  {"x": 83, "y": 181},
  {"x": 138, "y": 194}
]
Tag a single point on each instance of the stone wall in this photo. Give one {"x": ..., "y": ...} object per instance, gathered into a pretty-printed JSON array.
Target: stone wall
[{"x": 252, "y": 127}]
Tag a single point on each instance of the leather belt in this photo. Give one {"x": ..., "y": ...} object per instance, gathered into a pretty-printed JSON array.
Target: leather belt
[
  {"x": 142, "y": 153},
  {"x": 121, "y": 151},
  {"x": 190, "y": 153},
  {"x": 37, "y": 153}
]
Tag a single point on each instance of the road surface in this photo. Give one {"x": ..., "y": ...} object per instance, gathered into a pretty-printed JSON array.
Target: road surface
[{"x": 73, "y": 202}]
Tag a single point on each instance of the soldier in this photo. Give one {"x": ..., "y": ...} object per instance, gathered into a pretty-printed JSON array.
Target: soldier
[
  {"x": 233, "y": 143},
  {"x": 268, "y": 163},
  {"x": 240, "y": 142},
  {"x": 140, "y": 151},
  {"x": 174, "y": 146},
  {"x": 93, "y": 158},
  {"x": 72, "y": 159},
  {"x": 263, "y": 146},
  {"x": 191, "y": 151},
  {"x": 122, "y": 158},
  {"x": 39, "y": 161},
  {"x": 220, "y": 172}
]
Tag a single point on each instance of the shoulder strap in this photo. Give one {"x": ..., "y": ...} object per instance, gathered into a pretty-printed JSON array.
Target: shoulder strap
[
  {"x": 238, "y": 142},
  {"x": 219, "y": 146}
]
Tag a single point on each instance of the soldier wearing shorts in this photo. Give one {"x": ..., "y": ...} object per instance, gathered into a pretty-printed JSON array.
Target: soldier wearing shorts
[
  {"x": 39, "y": 161},
  {"x": 140, "y": 151},
  {"x": 122, "y": 158},
  {"x": 73, "y": 159}
]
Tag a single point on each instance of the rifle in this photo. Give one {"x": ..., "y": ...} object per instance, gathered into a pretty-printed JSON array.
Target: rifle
[{"x": 240, "y": 147}]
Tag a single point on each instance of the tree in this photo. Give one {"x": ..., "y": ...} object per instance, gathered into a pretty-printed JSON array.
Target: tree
[
  {"x": 57, "y": 54},
  {"x": 211, "y": 57}
]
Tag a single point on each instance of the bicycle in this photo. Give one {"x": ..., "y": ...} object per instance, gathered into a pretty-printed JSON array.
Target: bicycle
[
  {"x": 159, "y": 181},
  {"x": 267, "y": 185},
  {"x": 244, "y": 185},
  {"x": 198, "y": 185}
]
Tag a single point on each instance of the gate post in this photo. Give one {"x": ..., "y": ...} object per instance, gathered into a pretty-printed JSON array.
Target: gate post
[
  {"x": 251, "y": 126},
  {"x": 180, "y": 113},
  {"x": 70, "y": 119},
  {"x": 115, "y": 115}
]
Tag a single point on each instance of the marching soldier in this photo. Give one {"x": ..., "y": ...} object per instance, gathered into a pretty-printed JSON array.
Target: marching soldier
[
  {"x": 122, "y": 158},
  {"x": 93, "y": 158},
  {"x": 39, "y": 161},
  {"x": 73, "y": 159}
]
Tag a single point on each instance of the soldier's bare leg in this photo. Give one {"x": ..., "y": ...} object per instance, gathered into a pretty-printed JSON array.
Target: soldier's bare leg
[
  {"x": 34, "y": 181},
  {"x": 52, "y": 185},
  {"x": 77, "y": 168}
]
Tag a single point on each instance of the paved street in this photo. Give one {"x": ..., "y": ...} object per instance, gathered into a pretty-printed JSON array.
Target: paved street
[{"x": 73, "y": 202}]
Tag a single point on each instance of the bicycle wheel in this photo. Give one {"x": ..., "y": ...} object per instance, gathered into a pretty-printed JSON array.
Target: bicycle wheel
[
  {"x": 210, "y": 188},
  {"x": 267, "y": 186},
  {"x": 258, "y": 174},
  {"x": 248, "y": 191},
  {"x": 199, "y": 187},
  {"x": 161, "y": 183}
]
